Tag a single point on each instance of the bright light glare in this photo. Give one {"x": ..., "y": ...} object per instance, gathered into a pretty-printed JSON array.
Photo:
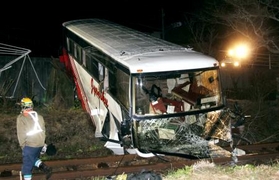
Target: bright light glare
[
  {"x": 223, "y": 64},
  {"x": 231, "y": 52},
  {"x": 240, "y": 51},
  {"x": 236, "y": 63}
]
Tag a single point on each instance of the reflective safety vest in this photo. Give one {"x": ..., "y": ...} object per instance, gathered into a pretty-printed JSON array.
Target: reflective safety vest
[{"x": 37, "y": 128}]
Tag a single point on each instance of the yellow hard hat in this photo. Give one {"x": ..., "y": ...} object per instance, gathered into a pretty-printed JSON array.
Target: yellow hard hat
[{"x": 26, "y": 103}]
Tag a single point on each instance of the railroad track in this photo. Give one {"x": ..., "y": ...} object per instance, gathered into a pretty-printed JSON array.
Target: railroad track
[{"x": 117, "y": 165}]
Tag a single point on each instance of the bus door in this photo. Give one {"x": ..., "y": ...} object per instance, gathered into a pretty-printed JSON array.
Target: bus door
[{"x": 100, "y": 112}]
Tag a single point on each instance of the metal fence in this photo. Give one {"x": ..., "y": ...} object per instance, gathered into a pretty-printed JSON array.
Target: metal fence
[{"x": 25, "y": 77}]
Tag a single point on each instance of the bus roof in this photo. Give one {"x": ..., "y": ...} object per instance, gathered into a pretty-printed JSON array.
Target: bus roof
[{"x": 136, "y": 50}]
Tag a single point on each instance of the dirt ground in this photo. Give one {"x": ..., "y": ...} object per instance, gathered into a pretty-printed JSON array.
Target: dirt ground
[{"x": 71, "y": 131}]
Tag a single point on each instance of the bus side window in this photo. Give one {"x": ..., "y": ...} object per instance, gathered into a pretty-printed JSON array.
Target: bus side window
[
  {"x": 83, "y": 56},
  {"x": 106, "y": 80},
  {"x": 122, "y": 87},
  {"x": 101, "y": 71},
  {"x": 77, "y": 53},
  {"x": 92, "y": 66},
  {"x": 112, "y": 82},
  {"x": 71, "y": 47}
]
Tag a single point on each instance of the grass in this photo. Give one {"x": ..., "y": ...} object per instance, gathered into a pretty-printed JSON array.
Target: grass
[{"x": 204, "y": 170}]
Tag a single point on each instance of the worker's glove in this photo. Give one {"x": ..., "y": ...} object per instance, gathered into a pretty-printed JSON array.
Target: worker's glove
[{"x": 44, "y": 149}]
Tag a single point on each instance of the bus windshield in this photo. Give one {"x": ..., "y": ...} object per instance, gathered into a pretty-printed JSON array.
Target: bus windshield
[{"x": 176, "y": 92}]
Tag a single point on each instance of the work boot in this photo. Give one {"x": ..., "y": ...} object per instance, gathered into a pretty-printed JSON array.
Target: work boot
[{"x": 47, "y": 170}]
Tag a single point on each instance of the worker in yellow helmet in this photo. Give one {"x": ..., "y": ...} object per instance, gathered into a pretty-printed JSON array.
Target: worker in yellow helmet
[{"x": 31, "y": 136}]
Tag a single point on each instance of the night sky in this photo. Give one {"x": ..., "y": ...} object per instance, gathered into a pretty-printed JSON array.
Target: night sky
[{"x": 38, "y": 26}]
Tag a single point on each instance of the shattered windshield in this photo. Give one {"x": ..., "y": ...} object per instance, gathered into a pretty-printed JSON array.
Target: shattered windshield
[{"x": 176, "y": 92}]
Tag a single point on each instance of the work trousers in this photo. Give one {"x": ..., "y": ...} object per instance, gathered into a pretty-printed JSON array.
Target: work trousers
[{"x": 30, "y": 156}]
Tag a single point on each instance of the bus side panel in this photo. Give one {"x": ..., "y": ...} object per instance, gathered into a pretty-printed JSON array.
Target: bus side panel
[
  {"x": 89, "y": 100},
  {"x": 100, "y": 105}
]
